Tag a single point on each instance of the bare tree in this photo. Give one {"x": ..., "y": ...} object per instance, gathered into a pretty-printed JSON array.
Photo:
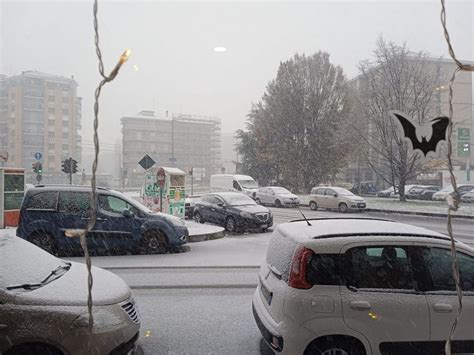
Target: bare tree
[{"x": 396, "y": 79}]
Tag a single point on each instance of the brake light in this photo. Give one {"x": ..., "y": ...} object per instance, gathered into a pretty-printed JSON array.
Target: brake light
[{"x": 299, "y": 265}]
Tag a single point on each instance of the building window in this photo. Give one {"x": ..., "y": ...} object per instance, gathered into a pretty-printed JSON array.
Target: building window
[
  {"x": 65, "y": 112},
  {"x": 51, "y": 110},
  {"x": 51, "y": 98}
]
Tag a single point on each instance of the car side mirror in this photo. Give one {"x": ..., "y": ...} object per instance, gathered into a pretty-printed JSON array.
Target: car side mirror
[
  {"x": 127, "y": 213},
  {"x": 220, "y": 204}
]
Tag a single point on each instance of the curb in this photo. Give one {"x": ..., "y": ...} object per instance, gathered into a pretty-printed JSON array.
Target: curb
[
  {"x": 414, "y": 213},
  {"x": 206, "y": 236}
]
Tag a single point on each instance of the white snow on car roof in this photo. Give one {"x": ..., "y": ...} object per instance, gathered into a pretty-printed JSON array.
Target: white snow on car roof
[{"x": 352, "y": 226}]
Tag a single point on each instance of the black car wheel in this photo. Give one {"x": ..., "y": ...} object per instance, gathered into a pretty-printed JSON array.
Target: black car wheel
[
  {"x": 343, "y": 207},
  {"x": 277, "y": 203},
  {"x": 313, "y": 206},
  {"x": 198, "y": 218},
  {"x": 44, "y": 241},
  {"x": 230, "y": 225},
  {"x": 154, "y": 242},
  {"x": 257, "y": 200}
]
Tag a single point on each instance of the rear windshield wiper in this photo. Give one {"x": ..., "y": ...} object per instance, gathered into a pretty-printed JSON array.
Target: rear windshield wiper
[{"x": 31, "y": 286}]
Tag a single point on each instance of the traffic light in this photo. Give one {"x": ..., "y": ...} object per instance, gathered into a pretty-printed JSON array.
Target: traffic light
[
  {"x": 73, "y": 166},
  {"x": 190, "y": 171},
  {"x": 66, "y": 166},
  {"x": 34, "y": 167},
  {"x": 39, "y": 168}
]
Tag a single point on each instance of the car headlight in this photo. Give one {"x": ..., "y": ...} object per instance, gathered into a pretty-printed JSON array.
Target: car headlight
[
  {"x": 102, "y": 319},
  {"x": 246, "y": 215}
]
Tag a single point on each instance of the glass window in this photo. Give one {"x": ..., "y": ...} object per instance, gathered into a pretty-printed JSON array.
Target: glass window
[
  {"x": 439, "y": 265},
  {"x": 75, "y": 202},
  {"x": 236, "y": 186},
  {"x": 14, "y": 182},
  {"x": 324, "y": 269},
  {"x": 380, "y": 267},
  {"x": 115, "y": 205},
  {"x": 43, "y": 201}
]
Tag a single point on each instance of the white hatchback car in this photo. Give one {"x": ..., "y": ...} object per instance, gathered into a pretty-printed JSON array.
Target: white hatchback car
[
  {"x": 330, "y": 197},
  {"x": 43, "y": 306},
  {"x": 362, "y": 286}
]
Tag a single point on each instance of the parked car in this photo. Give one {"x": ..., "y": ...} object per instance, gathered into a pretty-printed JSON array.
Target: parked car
[
  {"x": 43, "y": 305},
  {"x": 443, "y": 193},
  {"x": 427, "y": 194},
  {"x": 276, "y": 196},
  {"x": 337, "y": 286},
  {"x": 48, "y": 212},
  {"x": 330, "y": 197},
  {"x": 365, "y": 187},
  {"x": 234, "y": 183},
  {"x": 408, "y": 189},
  {"x": 468, "y": 197},
  {"x": 416, "y": 192},
  {"x": 388, "y": 192},
  {"x": 235, "y": 211}
]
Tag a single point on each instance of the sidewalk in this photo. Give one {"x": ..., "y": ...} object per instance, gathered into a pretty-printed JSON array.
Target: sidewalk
[{"x": 411, "y": 207}]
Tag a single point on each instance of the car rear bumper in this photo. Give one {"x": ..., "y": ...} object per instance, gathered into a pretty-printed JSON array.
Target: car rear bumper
[{"x": 268, "y": 331}]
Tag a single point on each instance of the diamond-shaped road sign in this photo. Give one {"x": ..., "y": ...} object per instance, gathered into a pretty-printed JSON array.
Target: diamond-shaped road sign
[{"x": 147, "y": 162}]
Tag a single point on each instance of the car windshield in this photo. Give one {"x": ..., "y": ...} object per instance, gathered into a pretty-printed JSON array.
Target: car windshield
[
  {"x": 343, "y": 192},
  {"x": 27, "y": 264},
  {"x": 238, "y": 200},
  {"x": 448, "y": 188},
  {"x": 248, "y": 184},
  {"x": 280, "y": 190}
]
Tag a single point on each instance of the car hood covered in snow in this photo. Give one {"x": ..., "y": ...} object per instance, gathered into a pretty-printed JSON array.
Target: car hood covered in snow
[
  {"x": 23, "y": 262},
  {"x": 251, "y": 208}
]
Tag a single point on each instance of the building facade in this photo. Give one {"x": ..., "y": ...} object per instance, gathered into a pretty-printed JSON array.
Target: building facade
[
  {"x": 463, "y": 129},
  {"x": 182, "y": 141},
  {"x": 40, "y": 113}
]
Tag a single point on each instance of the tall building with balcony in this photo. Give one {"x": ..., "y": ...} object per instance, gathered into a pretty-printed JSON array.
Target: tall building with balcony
[
  {"x": 183, "y": 141},
  {"x": 40, "y": 113}
]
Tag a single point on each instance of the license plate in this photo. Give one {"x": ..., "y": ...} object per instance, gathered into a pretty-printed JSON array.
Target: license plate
[
  {"x": 264, "y": 226},
  {"x": 266, "y": 294}
]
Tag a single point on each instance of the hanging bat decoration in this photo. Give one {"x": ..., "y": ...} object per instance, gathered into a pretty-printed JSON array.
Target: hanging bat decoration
[{"x": 426, "y": 137}]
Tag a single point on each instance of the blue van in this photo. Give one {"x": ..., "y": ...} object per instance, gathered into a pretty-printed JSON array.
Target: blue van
[{"x": 48, "y": 211}]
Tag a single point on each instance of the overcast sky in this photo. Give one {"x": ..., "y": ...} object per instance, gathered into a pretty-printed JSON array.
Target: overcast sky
[{"x": 173, "y": 66}]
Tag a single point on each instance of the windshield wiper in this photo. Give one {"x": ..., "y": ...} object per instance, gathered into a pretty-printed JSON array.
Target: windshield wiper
[
  {"x": 66, "y": 267},
  {"x": 31, "y": 286}
]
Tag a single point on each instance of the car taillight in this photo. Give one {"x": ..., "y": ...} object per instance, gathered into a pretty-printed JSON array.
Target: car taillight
[{"x": 299, "y": 265}]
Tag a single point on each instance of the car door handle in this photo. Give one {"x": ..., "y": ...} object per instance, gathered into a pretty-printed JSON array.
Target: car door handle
[
  {"x": 443, "y": 307},
  {"x": 360, "y": 305}
]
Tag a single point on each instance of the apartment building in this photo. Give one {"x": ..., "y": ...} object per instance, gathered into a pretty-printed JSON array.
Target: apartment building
[
  {"x": 182, "y": 141},
  {"x": 40, "y": 113}
]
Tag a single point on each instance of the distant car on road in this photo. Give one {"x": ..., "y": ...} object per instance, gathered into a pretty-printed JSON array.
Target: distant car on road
[
  {"x": 330, "y": 197},
  {"x": 365, "y": 187},
  {"x": 443, "y": 194},
  {"x": 337, "y": 286},
  {"x": 421, "y": 192},
  {"x": 387, "y": 192},
  {"x": 468, "y": 197},
  {"x": 235, "y": 211},
  {"x": 48, "y": 212},
  {"x": 276, "y": 196},
  {"x": 43, "y": 305}
]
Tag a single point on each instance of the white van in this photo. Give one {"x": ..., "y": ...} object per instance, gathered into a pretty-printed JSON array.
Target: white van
[{"x": 228, "y": 182}]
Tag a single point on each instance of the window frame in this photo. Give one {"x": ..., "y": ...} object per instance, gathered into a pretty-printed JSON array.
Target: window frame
[{"x": 44, "y": 209}]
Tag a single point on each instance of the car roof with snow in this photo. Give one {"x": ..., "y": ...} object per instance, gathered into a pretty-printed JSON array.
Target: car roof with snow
[
  {"x": 356, "y": 229},
  {"x": 74, "y": 188}
]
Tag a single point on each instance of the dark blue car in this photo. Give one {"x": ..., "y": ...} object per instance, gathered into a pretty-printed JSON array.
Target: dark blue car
[{"x": 49, "y": 212}]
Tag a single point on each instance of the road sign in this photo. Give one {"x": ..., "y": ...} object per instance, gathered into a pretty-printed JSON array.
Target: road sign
[
  {"x": 38, "y": 156},
  {"x": 147, "y": 162},
  {"x": 160, "y": 177}
]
